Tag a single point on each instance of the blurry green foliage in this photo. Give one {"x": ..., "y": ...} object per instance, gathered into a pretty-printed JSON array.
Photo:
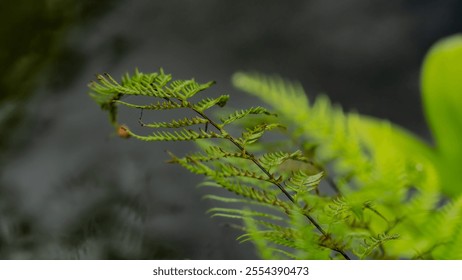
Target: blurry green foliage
[{"x": 442, "y": 96}]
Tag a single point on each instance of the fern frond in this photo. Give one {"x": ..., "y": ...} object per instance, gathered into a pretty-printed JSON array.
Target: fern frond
[
  {"x": 177, "y": 123},
  {"x": 243, "y": 113},
  {"x": 160, "y": 85},
  {"x": 373, "y": 243},
  {"x": 195, "y": 167},
  {"x": 165, "y": 105},
  {"x": 241, "y": 171},
  {"x": 207, "y": 103},
  {"x": 229, "y": 199},
  {"x": 241, "y": 201},
  {"x": 152, "y": 83},
  {"x": 339, "y": 209},
  {"x": 302, "y": 182},
  {"x": 188, "y": 88},
  {"x": 277, "y": 92},
  {"x": 445, "y": 228},
  {"x": 159, "y": 80},
  {"x": 273, "y": 237},
  {"x": 258, "y": 195},
  {"x": 262, "y": 246},
  {"x": 214, "y": 153},
  {"x": 252, "y": 135},
  {"x": 452, "y": 250},
  {"x": 229, "y": 170},
  {"x": 240, "y": 213},
  {"x": 355, "y": 148},
  {"x": 224, "y": 170},
  {"x": 139, "y": 84},
  {"x": 308, "y": 244},
  {"x": 270, "y": 160},
  {"x": 182, "y": 135}
]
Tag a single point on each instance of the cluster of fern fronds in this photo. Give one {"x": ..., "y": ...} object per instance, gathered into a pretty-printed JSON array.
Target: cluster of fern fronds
[{"x": 308, "y": 180}]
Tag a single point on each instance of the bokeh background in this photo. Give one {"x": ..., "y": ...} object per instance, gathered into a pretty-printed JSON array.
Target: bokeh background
[{"x": 69, "y": 189}]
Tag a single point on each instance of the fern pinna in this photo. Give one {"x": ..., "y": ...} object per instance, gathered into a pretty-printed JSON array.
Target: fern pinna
[{"x": 335, "y": 185}]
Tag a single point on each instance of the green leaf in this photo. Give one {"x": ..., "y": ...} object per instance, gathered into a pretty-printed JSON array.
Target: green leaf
[
  {"x": 210, "y": 102},
  {"x": 302, "y": 182},
  {"x": 229, "y": 170},
  {"x": 218, "y": 211},
  {"x": 182, "y": 135},
  {"x": 252, "y": 135},
  {"x": 238, "y": 201},
  {"x": 165, "y": 105},
  {"x": 243, "y": 113},
  {"x": 244, "y": 190},
  {"x": 263, "y": 249},
  {"x": 177, "y": 123},
  {"x": 213, "y": 153},
  {"x": 188, "y": 88},
  {"x": 275, "y": 91},
  {"x": 274, "y": 159},
  {"x": 154, "y": 81},
  {"x": 442, "y": 97},
  {"x": 373, "y": 243}
]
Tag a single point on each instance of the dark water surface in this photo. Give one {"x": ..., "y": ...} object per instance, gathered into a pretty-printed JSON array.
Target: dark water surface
[{"x": 70, "y": 189}]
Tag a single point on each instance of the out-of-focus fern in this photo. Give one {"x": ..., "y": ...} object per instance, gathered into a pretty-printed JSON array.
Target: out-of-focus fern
[
  {"x": 338, "y": 185},
  {"x": 387, "y": 179},
  {"x": 386, "y": 192}
]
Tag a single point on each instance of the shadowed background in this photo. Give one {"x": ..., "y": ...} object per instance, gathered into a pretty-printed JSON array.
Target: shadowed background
[{"x": 70, "y": 189}]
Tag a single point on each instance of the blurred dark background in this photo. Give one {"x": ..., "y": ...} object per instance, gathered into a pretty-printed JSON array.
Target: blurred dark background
[{"x": 69, "y": 189}]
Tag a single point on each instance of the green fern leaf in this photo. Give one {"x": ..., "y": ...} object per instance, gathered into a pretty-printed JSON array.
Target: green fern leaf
[
  {"x": 445, "y": 226},
  {"x": 254, "y": 134},
  {"x": 373, "y": 243},
  {"x": 282, "y": 95},
  {"x": 306, "y": 241},
  {"x": 165, "y": 105},
  {"x": 240, "y": 201},
  {"x": 339, "y": 209},
  {"x": 206, "y": 157},
  {"x": 182, "y": 135},
  {"x": 154, "y": 81},
  {"x": 214, "y": 153},
  {"x": 189, "y": 88},
  {"x": 140, "y": 84},
  {"x": 207, "y": 103},
  {"x": 257, "y": 195},
  {"x": 176, "y": 123},
  {"x": 229, "y": 170},
  {"x": 302, "y": 182},
  {"x": 240, "y": 213},
  {"x": 243, "y": 113},
  {"x": 233, "y": 167},
  {"x": 263, "y": 248},
  {"x": 270, "y": 160},
  {"x": 272, "y": 237},
  {"x": 225, "y": 199}
]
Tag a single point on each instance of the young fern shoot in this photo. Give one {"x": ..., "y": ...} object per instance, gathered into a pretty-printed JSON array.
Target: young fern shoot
[{"x": 232, "y": 165}]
